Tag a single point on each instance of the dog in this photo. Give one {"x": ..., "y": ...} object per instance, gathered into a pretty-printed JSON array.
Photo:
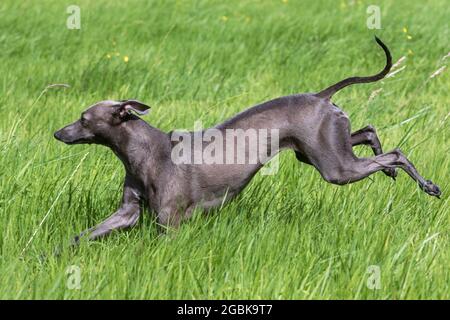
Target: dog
[{"x": 309, "y": 124}]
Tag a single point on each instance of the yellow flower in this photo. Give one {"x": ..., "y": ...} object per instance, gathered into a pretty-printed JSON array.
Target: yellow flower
[
  {"x": 409, "y": 37},
  {"x": 108, "y": 56},
  {"x": 285, "y": 1},
  {"x": 125, "y": 58},
  {"x": 224, "y": 18},
  {"x": 405, "y": 30}
]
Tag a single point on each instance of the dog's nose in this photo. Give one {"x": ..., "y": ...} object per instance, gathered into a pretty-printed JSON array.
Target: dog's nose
[{"x": 57, "y": 135}]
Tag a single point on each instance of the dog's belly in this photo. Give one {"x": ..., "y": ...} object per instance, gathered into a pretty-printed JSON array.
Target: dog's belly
[
  {"x": 212, "y": 185},
  {"x": 221, "y": 161}
]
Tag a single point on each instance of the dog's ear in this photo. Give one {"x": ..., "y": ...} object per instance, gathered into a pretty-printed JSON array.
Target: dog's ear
[{"x": 128, "y": 106}]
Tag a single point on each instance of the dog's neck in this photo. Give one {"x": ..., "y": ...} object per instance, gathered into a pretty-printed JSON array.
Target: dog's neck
[{"x": 141, "y": 148}]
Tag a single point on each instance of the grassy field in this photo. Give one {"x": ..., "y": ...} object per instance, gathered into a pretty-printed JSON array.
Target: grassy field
[{"x": 287, "y": 236}]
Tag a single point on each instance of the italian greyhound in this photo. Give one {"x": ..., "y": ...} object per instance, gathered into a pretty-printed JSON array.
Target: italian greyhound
[{"x": 309, "y": 124}]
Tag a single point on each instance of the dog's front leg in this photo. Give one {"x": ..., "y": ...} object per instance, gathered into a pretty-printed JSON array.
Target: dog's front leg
[{"x": 126, "y": 216}]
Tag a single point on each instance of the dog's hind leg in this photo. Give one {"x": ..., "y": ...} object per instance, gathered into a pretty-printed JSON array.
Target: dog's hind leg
[
  {"x": 368, "y": 136},
  {"x": 359, "y": 168},
  {"x": 125, "y": 217},
  {"x": 301, "y": 157},
  {"x": 338, "y": 164}
]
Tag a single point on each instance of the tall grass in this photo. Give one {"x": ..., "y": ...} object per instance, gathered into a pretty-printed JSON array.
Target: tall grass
[{"x": 290, "y": 235}]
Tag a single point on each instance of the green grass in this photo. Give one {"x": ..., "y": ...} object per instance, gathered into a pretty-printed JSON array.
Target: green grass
[{"x": 288, "y": 236}]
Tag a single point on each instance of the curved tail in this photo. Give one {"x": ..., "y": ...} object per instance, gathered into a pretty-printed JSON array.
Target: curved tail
[{"x": 328, "y": 92}]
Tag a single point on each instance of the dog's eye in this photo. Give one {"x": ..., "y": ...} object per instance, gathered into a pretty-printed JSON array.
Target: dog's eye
[{"x": 83, "y": 121}]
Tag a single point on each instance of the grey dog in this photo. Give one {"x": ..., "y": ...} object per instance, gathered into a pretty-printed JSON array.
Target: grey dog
[{"x": 309, "y": 124}]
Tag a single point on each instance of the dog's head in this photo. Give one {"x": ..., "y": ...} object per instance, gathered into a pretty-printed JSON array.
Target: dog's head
[{"x": 97, "y": 122}]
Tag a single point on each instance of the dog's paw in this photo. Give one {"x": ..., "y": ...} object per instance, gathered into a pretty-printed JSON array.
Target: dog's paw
[
  {"x": 432, "y": 189},
  {"x": 390, "y": 172}
]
